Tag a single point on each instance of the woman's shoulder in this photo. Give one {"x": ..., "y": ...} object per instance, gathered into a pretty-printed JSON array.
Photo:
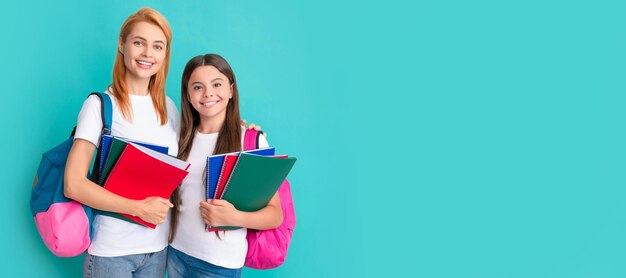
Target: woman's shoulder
[
  {"x": 170, "y": 103},
  {"x": 172, "y": 112},
  {"x": 93, "y": 101}
]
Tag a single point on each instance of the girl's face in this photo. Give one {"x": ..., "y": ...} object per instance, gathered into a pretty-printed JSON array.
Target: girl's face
[
  {"x": 144, "y": 50},
  {"x": 209, "y": 91}
]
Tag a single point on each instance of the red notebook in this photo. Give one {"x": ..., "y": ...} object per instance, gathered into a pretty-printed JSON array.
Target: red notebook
[
  {"x": 227, "y": 168},
  {"x": 140, "y": 173}
]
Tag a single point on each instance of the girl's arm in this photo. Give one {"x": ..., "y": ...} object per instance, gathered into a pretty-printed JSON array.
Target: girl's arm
[
  {"x": 78, "y": 187},
  {"x": 222, "y": 213}
]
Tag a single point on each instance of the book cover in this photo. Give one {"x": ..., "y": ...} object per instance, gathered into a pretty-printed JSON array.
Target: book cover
[
  {"x": 112, "y": 147},
  {"x": 227, "y": 167},
  {"x": 141, "y": 172},
  {"x": 254, "y": 181},
  {"x": 214, "y": 167}
]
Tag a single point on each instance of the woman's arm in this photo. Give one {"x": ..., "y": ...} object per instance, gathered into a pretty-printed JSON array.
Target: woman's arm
[
  {"x": 78, "y": 187},
  {"x": 222, "y": 213}
]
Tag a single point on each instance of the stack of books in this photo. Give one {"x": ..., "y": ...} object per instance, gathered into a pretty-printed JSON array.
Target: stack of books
[
  {"x": 248, "y": 180},
  {"x": 138, "y": 170}
]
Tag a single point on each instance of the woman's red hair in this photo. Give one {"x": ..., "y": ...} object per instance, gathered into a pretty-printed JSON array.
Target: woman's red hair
[{"x": 157, "y": 81}]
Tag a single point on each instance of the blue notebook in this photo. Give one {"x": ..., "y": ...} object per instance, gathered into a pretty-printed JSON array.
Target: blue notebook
[
  {"x": 106, "y": 143},
  {"x": 214, "y": 167}
]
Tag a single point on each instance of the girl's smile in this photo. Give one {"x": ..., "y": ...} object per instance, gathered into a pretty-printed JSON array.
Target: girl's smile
[
  {"x": 209, "y": 92},
  {"x": 209, "y": 103}
]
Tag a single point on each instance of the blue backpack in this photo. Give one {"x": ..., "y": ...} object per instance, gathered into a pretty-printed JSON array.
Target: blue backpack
[{"x": 64, "y": 224}]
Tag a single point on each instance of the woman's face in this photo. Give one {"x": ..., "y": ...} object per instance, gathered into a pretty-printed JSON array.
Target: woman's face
[
  {"x": 144, "y": 50},
  {"x": 209, "y": 91}
]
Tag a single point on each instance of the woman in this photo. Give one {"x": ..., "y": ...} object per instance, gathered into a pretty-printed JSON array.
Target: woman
[{"x": 141, "y": 111}]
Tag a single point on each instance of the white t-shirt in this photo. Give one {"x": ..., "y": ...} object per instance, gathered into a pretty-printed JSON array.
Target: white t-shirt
[
  {"x": 114, "y": 237},
  {"x": 191, "y": 236}
]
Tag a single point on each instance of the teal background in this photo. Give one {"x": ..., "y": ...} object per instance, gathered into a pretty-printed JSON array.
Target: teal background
[{"x": 435, "y": 138}]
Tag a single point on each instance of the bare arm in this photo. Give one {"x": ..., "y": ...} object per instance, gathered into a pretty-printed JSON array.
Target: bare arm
[
  {"x": 223, "y": 213},
  {"x": 78, "y": 187}
]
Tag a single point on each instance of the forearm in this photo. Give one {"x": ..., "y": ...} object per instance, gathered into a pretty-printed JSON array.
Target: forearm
[
  {"x": 95, "y": 196},
  {"x": 269, "y": 217},
  {"x": 78, "y": 187}
]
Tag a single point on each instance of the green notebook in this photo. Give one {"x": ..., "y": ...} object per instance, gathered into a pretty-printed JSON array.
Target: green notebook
[
  {"x": 254, "y": 181},
  {"x": 114, "y": 152}
]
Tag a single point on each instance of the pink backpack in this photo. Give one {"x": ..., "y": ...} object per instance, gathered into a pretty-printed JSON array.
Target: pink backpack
[
  {"x": 268, "y": 248},
  {"x": 64, "y": 224}
]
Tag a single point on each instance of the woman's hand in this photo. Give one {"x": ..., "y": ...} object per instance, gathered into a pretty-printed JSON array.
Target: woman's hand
[
  {"x": 253, "y": 126},
  {"x": 219, "y": 213},
  {"x": 154, "y": 209}
]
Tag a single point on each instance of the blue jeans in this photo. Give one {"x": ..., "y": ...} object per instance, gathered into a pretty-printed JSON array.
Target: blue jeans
[
  {"x": 181, "y": 265},
  {"x": 141, "y": 265}
]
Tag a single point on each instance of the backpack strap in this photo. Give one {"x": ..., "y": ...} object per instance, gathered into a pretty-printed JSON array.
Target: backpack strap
[
  {"x": 251, "y": 139},
  {"x": 106, "y": 111}
]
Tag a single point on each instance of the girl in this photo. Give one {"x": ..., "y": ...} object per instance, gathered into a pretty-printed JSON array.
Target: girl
[
  {"x": 141, "y": 111},
  {"x": 210, "y": 125}
]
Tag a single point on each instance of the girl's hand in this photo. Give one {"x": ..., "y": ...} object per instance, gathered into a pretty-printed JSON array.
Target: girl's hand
[
  {"x": 219, "y": 213},
  {"x": 153, "y": 209}
]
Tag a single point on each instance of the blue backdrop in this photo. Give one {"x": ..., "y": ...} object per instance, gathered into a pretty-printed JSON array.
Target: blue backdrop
[{"x": 435, "y": 138}]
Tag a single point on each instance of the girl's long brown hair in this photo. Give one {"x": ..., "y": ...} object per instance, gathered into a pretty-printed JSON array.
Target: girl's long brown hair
[
  {"x": 157, "y": 81},
  {"x": 229, "y": 137}
]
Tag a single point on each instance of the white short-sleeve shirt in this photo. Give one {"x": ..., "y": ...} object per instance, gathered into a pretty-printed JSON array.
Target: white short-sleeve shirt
[
  {"x": 191, "y": 236},
  {"x": 112, "y": 236}
]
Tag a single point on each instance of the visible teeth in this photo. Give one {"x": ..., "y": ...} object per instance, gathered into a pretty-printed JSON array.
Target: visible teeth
[
  {"x": 144, "y": 63},
  {"x": 209, "y": 103}
]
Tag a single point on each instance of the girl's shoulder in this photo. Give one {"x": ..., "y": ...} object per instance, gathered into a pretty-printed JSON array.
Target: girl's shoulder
[{"x": 263, "y": 143}]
